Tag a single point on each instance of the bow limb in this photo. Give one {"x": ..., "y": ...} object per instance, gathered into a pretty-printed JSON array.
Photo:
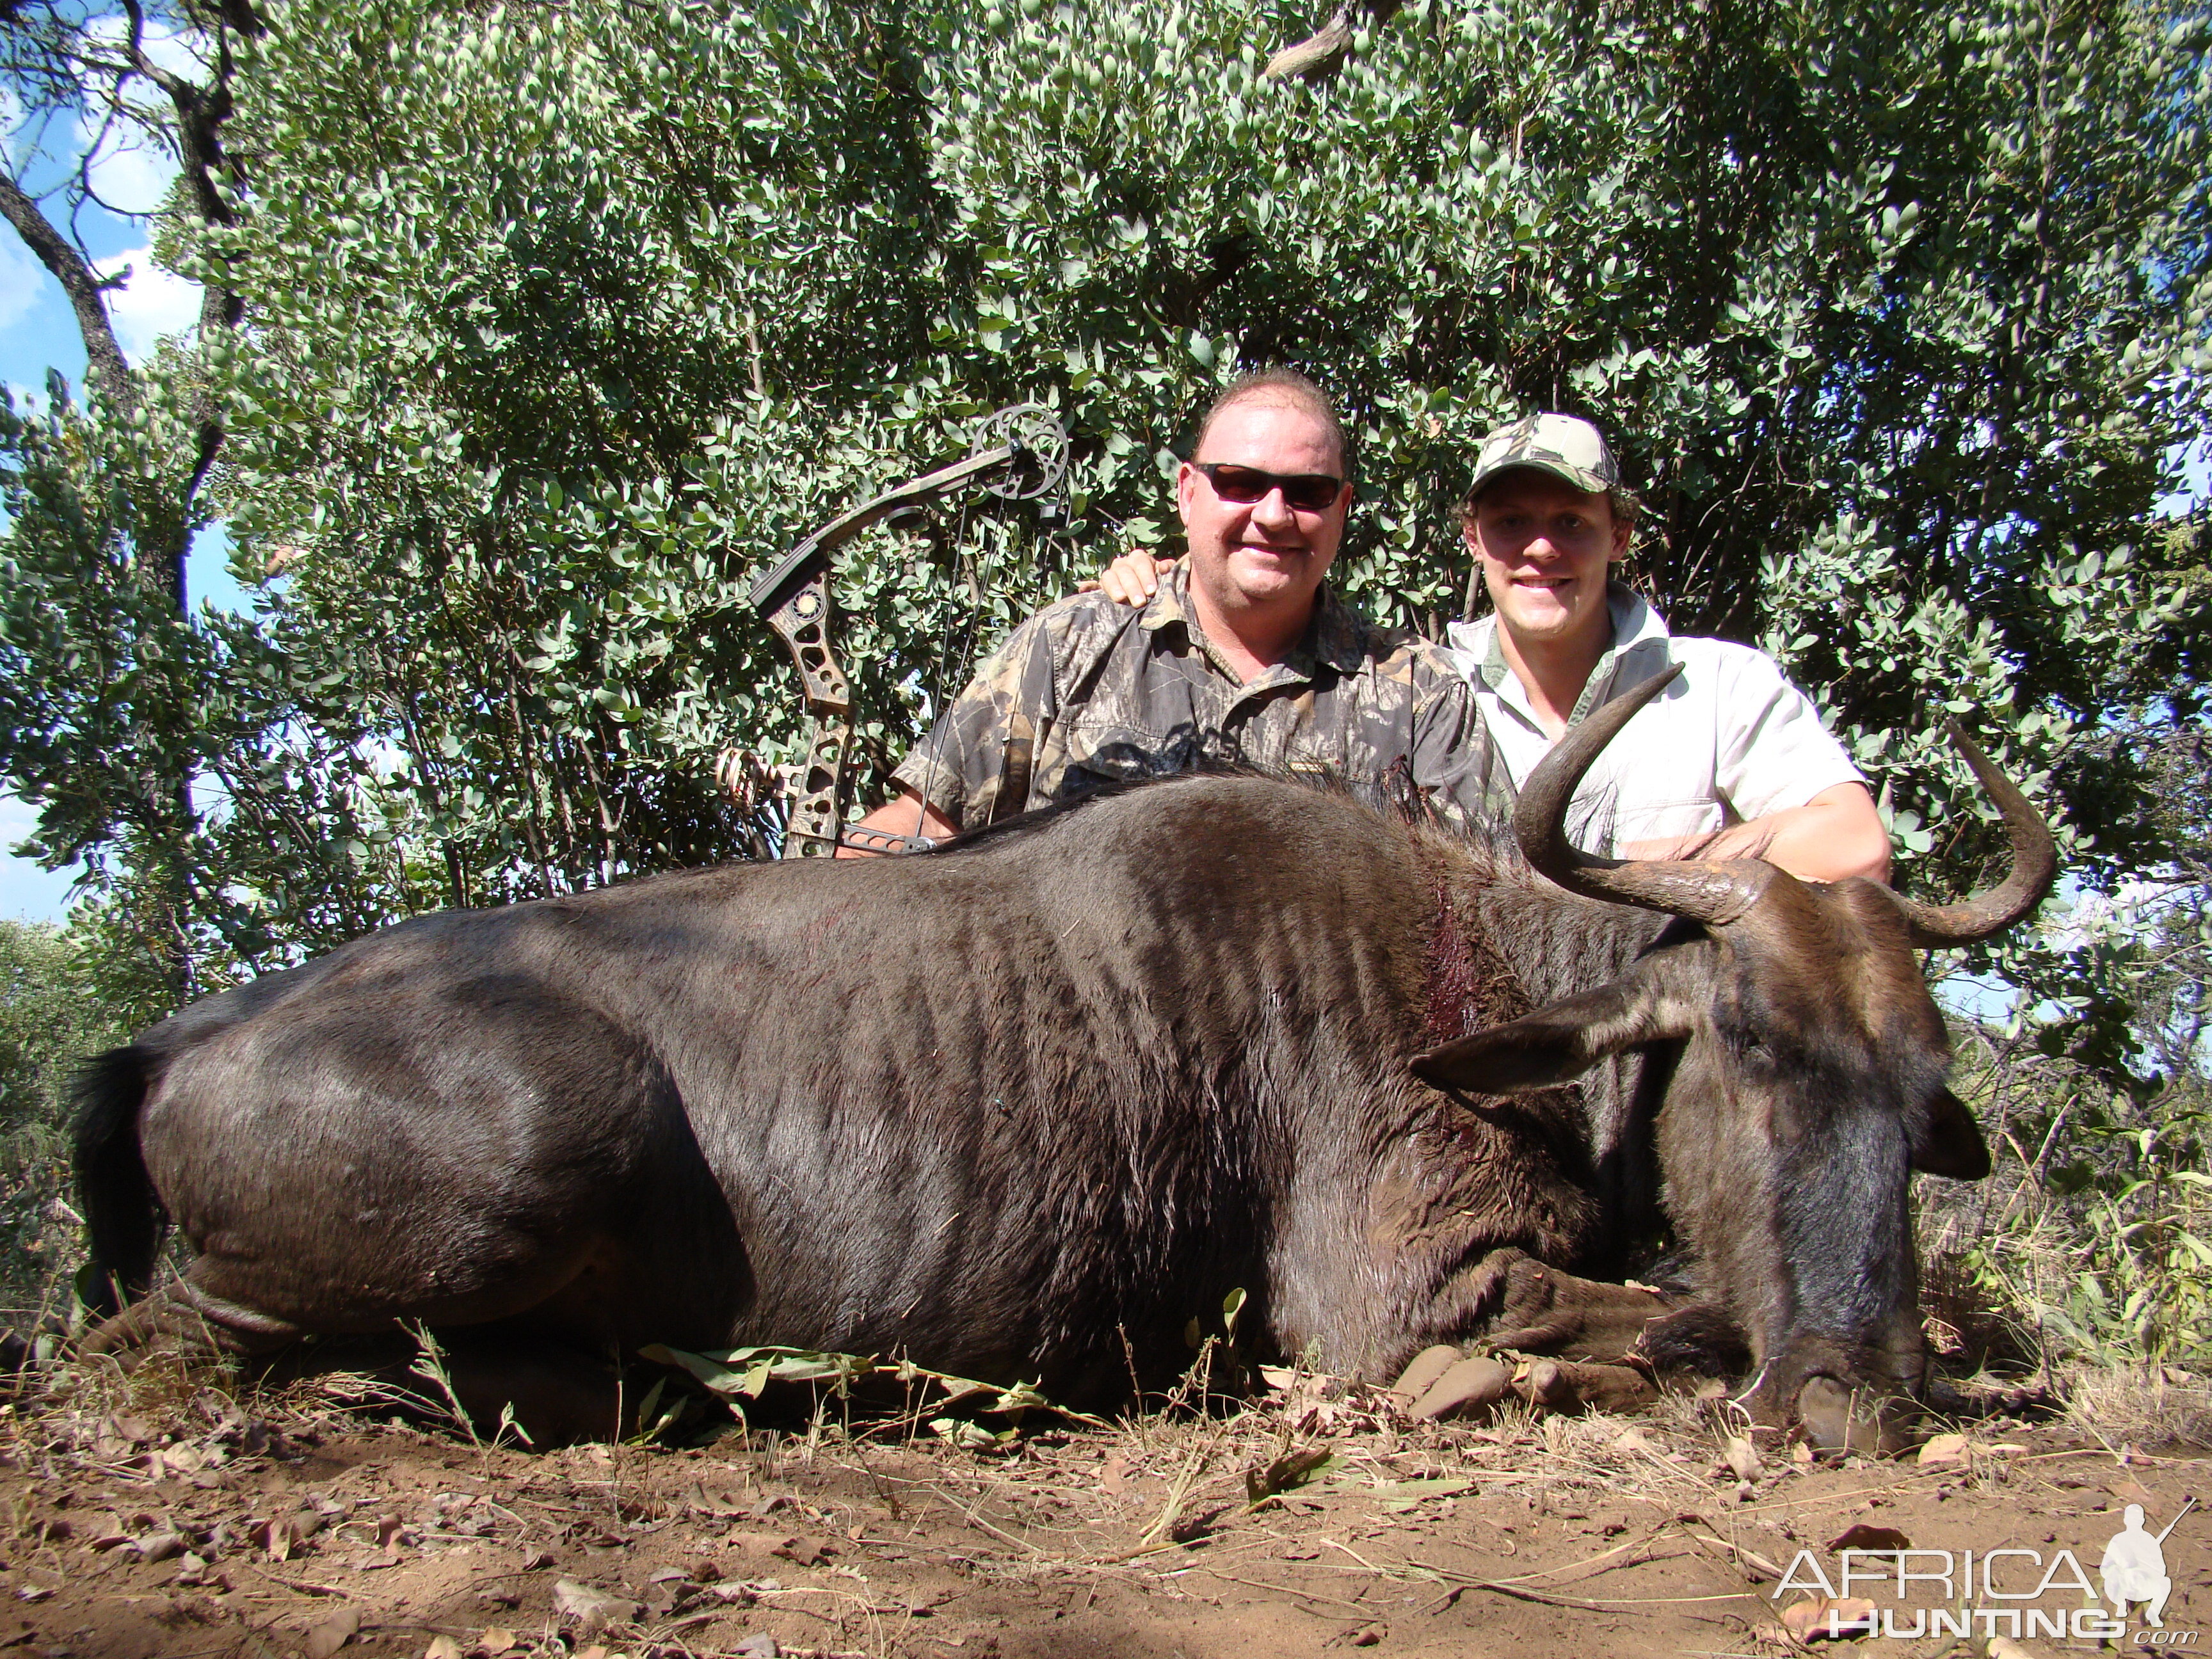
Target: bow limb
[{"x": 795, "y": 599}]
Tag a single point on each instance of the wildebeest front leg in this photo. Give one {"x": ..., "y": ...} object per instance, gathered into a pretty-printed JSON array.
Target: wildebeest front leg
[{"x": 1595, "y": 1328}]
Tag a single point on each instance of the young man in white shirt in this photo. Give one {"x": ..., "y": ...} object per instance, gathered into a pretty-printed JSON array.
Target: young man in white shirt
[{"x": 1731, "y": 761}]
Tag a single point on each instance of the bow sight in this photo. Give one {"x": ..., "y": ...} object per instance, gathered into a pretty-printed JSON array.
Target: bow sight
[{"x": 1020, "y": 453}]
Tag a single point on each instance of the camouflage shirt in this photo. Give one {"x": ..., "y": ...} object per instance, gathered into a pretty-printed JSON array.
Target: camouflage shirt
[{"x": 1088, "y": 693}]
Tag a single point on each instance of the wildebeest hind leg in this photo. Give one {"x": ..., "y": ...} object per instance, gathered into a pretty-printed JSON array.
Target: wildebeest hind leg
[
  {"x": 474, "y": 1154},
  {"x": 183, "y": 1318}
]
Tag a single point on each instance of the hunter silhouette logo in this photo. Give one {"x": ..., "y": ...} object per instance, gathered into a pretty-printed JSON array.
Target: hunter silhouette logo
[
  {"x": 1987, "y": 1593},
  {"x": 2134, "y": 1567}
]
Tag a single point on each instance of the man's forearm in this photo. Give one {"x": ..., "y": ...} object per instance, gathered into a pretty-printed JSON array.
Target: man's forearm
[{"x": 1835, "y": 834}]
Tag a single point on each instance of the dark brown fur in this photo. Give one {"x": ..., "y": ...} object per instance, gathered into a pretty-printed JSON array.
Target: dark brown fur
[{"x": 992, "y": 1106}]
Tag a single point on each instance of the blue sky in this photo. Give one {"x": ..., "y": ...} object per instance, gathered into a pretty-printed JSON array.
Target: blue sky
[{"x": 38, "y": 331}]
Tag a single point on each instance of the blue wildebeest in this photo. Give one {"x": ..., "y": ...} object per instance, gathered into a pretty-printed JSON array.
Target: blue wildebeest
[{"x": 1073, "y": 1076}]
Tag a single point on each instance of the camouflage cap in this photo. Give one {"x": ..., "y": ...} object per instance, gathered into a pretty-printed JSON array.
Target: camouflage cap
[{"x": 1560, "y": 445}]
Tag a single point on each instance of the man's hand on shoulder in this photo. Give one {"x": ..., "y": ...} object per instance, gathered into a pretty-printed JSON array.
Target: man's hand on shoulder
[
  {"x": 1837, "y": 834},
  {"x": 1131, "y": 579}
]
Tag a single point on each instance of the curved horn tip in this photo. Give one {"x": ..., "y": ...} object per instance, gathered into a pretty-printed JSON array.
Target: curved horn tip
[
  {"x": 2034, "y": 863},
  {"x": 1699, "y": 891}
]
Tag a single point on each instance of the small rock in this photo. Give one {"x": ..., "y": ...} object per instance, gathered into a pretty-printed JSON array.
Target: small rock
[
  {"x": 592, "y": 1609},
  {"x": 1943, "y": 1448},
  {"x": 759, "y": 1646},
  {"x": 160, "y": 1546},
  {"x": 1742, "y": 1458},
  {"x": 1829, "y": 1617}
]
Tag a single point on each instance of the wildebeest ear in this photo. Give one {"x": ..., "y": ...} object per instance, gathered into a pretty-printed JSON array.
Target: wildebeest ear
[
  {"x": 1948, "y": 1142},
  {"x": 1559, "y": 1043}
]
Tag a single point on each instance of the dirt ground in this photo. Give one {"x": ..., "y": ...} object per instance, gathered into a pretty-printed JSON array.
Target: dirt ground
[{"x": 198, "y": 1526}]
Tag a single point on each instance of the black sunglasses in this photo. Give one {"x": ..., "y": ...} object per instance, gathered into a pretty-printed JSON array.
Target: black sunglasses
[{"x": 1308, "y": 492}]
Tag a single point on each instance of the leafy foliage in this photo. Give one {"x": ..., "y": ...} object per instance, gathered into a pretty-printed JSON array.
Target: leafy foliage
[
  {"x": 1899, "y": 316},
  {"x": 551, "y": 355},
  {"x": 53, "y": 1015}
]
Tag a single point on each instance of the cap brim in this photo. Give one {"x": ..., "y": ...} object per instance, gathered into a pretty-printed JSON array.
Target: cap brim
[{"x": 1587, "y": 483}]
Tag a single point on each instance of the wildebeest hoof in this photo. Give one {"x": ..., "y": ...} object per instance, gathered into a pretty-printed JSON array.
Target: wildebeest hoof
[
  {"x": 1558, "y": 1385},
  {"x": 1417, "y": 1378},
  {"x": 1470, "y": 1386},
  {"x": 1837, "y": 1419}
]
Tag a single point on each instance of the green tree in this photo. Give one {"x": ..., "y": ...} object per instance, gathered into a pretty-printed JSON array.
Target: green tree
[
  {"x": 567, "y": 322},
  {"x": 105, "y": 662},
  {"x": 54, "y": 1013}
]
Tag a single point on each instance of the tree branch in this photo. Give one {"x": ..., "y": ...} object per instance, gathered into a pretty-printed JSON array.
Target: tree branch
[
  {"x": 105, "y": 366},
  {"x": 1320, "y": 54}
]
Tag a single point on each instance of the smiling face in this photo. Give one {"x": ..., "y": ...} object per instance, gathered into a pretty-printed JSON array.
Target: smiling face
[
  {"x": 1265, "y": 554},
  {"x": 1545, "y": 546}
]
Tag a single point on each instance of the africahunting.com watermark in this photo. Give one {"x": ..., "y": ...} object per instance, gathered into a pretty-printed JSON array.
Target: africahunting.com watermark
[{"x": 2010, "y": 1591}]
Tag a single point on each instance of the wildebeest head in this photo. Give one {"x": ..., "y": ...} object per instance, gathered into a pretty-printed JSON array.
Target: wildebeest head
[{"x": 1808, "y": 1083}]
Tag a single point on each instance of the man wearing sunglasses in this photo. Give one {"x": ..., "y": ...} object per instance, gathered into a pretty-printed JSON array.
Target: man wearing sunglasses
[
  {"x": 1731, "y": 762},
  {"x": 1241, "y": 656}
]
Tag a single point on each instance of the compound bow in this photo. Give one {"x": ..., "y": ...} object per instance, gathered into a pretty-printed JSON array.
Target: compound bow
[{"x": 1020, "y": 454}]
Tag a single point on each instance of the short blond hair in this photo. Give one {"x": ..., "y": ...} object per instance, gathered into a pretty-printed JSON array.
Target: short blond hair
[{"x": 1279, "y": 385}]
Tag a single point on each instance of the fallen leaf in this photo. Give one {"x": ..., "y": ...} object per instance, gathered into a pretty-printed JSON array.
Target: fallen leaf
[
  {"x": 160, "y": 1546},
  {"x": 333, "y": 1633},
  {"x": 496, "y": 1641},
  {"x": 1944, "y": 1448},
  {"x": 2003, "y": 1647},
  {"x": 1742, "y": 1458},
  {"x": 595, "y": 1652},
  {"x": 1864, "y": 1537},
  {"x": 444, "y": 1647},
  {"x": 590, "y": 1608},
  {"x": 760, "y": 1646},
  {"x": 1113, "y": 1480},
  {"x": 1829, "y": 1617}
]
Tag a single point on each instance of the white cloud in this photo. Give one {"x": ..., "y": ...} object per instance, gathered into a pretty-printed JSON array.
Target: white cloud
[
  {"x": 181, "y": 51},
  {"x": 129, "y": 172},
  {"x": 20, "y": 274},
  {"x": 151, "y": 303}
]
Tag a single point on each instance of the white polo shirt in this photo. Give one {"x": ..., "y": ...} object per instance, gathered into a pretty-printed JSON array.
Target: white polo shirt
[{"x": 1731, "y": 740}]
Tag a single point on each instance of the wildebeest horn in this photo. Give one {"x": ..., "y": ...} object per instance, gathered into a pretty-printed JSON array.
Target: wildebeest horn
[
  {"x": 2035, "y": 864},
  {"x": 1703, "y": 890}
]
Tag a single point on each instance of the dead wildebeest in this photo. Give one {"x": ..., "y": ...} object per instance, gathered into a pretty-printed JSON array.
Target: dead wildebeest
[{"x": 1076, "y": 1075}]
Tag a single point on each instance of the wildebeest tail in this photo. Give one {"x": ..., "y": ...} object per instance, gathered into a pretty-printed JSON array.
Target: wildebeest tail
[{"x": 121, "y": 1212}]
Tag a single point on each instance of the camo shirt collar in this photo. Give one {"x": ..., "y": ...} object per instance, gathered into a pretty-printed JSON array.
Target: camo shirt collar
[{"x": 1336, "y": 638}]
